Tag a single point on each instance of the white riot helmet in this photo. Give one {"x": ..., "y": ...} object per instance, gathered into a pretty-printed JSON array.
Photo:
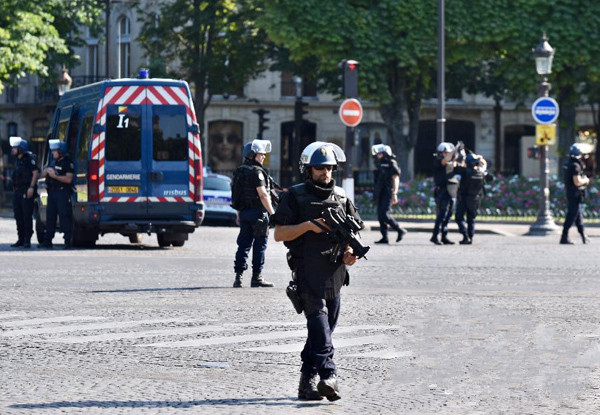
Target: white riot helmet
[
  {"x": 445, "y": 147},
  {"x": 254, "y": 147},
  {"x": 321, "y": 153},
  {"x": 381, "y": 148}
]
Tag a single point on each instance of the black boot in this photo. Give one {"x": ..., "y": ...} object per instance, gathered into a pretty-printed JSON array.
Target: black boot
[
  {"x": 585, "y": 239},
  {"x": 564, "y": 240},
  {"x": 238, "y": 280},
  {"x": 383, "y": 240},
  {"x": 17, "y": 244},
  {"x": 435, "y": 240},
  {"x": 45, "y": 245},
  {"x": 401, "y": 233},
  {"x": 465, "y": 240},
  {"x": 27, "y": 244},
  {"x": 446, "y": 241},
  {"x": 258, "y": 281},
  {"x": 328, "y": 388},
  {"x": 307, "y": 389}
]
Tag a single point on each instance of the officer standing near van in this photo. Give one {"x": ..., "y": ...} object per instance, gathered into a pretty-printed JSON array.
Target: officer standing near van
[
  {"x": 385, "y": 193},
  {"x": 443, "y": 170},
  {"x": 319, "y": 278},
  {"x": 251, "y": 198},
  {"x": 24, "y": 180},
  {"x": 59, "y": 179},
  {"x": 575, "y": 182},
  {"x": 469, "y": 195}
]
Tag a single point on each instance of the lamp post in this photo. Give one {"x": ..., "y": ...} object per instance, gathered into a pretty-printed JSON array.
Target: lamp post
[
  {"x": 63, "y": 82},
  {"x": 544, "y": 224},
  {"x": 441, "y": 84}
]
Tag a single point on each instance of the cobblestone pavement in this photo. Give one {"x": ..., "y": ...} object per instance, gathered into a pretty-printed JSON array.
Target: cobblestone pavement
[{"x": 509, "y": 325}]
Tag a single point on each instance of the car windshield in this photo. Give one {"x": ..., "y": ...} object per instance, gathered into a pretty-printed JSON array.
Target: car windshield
[{"x": 216, "y": 183}]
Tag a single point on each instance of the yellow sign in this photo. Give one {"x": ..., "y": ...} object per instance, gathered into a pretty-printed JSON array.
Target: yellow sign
[{"x": 545, "y": 134}]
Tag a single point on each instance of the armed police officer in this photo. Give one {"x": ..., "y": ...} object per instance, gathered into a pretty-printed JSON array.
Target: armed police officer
[
  {"x": 385, "y": 193},
  {"x": 251, "y": 198},
  {"x": 446, "y": 187},
  {"x": 575, "y": 182},
  {"x": 472, "y": 179},
  {"x": 319, "y": 277},
  {"x": 24, "y": 180},
  {"x": 59, "y": 180}
]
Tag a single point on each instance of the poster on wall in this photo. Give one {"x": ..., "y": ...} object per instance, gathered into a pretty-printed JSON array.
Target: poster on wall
[{"x": 224, "y": 145}]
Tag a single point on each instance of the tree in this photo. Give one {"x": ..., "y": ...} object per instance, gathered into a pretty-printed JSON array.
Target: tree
[{"x": 213, "y": 44}]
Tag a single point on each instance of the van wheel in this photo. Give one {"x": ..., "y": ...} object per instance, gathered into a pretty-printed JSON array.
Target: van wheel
[
  {"x": 178, "y": 242},
  {"x": 83, "y": 237},
  {"x": 163, "y": 239},
  {"x": 136, "y": 238},
  {"x": 178, "y": 239},
  {"x": 40, "y": 227}
]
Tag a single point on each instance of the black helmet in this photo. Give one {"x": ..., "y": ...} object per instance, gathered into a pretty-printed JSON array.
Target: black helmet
[
  {"x": 256, "y": 146},
  {"x": 321, "y": 153}
]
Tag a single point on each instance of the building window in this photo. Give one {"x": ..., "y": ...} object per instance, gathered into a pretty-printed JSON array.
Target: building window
[
  {"x": 124, "y": 41},
  {"x": 288, "y": 86},
  {"x": 12, "y": 94},
  {"x": 12, "y": 129}
]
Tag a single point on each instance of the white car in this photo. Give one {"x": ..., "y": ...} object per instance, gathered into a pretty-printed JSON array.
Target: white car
[{"x": 217, "y": 199}]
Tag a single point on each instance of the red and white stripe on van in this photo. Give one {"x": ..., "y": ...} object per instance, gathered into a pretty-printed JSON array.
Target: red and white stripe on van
[{"x": 146, "y": 95}]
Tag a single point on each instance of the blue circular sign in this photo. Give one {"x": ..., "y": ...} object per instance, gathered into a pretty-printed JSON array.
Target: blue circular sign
[{"x": 545, "y": 110}]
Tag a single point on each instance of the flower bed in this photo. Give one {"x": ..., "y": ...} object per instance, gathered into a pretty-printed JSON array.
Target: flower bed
[{"x": 512, "y": 196}]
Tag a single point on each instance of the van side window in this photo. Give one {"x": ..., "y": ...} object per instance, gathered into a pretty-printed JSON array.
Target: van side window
[
  {"x": 84, "y": 143},
  {"x": 61, "y": 132},
  {"x": 73, "y": 132},
  {"x": 169, "y": 133},
  {"x": 124, "y": 133}
]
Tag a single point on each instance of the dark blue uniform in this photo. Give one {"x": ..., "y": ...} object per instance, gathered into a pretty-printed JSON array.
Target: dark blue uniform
[
  {"x": 575, "y": 197},
  {"x": 319, "y": 280},
  {"x": 59, "y": 202},
  {"x": 253, "y": 217},
  {"x": 469, "y": 196},
  {"x": 22, "y": 175},
  {"x": 383, "y": 196},
  {"x": 443, "y": 199}
]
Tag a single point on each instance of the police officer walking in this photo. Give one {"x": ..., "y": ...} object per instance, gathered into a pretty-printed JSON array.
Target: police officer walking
[
  {"x": 251, "y": 198},
  {"x": 59, "y": 179},
  {"x": 469, "y": 195},
  {"x": 385, "y": 193},
  {"x": 575, "y": 183},
  {"x": 24, "y": 179},
  {"x": 319, "y": 277},
  {"x": 445, "y": 191}
]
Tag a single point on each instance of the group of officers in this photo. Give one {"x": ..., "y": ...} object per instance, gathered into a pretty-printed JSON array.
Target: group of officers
[{"x": 58, "y": 176}]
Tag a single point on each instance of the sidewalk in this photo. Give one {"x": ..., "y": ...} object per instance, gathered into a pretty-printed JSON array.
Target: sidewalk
[{"x": 504, "y": 229}]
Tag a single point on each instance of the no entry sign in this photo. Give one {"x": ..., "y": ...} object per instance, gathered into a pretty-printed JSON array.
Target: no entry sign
[{"x": 351, "y": 112}]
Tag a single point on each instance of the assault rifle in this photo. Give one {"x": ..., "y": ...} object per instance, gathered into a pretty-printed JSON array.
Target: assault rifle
[
  {"x": 457, "y": 153},
  {"x": 343, "y": 232},
  {"x": 274, "y": 195}
]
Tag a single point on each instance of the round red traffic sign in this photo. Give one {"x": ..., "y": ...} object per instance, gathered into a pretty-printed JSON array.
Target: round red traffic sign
[{"x": 351, "y": 112}]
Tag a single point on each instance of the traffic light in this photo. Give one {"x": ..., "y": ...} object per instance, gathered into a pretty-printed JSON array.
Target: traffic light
[
  {"x": 350, "y": 78},
  {"x": 299, "y": 109},
  {"x": 533, "y": 153},
  {"x": 261, "y": 121}
]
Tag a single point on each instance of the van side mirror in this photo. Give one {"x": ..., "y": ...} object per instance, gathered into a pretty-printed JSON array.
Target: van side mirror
[
  {"x": 195, "y": 128},
  {"x": 98, "y": 128}
]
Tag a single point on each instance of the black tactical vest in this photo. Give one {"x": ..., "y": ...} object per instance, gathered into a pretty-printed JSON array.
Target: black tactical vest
[
  {"x": 244, "y": 194},
  {"x": 23, "y": 172}
]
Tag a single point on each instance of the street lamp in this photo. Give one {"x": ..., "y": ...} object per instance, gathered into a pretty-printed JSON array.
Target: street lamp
[
  {"x": 544, "y": 224},
  {"x": 63, "y": 82}
]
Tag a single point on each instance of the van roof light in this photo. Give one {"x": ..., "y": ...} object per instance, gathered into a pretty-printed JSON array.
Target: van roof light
[{"x": 144, "y": 74}]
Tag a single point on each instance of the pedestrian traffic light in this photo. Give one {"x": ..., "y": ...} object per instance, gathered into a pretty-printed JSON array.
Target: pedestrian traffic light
[
  {"x": 533, "y": 153},
  {"x": 350, "y": 78}
]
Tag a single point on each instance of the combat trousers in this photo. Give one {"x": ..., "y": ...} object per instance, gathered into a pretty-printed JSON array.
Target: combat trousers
[
  {"x": 247, "y": 239},
  {"x": 23, "y": 212},
  {"x": 321, "y": 319},
  {"x": 59, "y": 203},
  {"x": 573, "y": 216},
  {"x": 444, "y": 204},
  {"x": 468, "y": 207},
  {"x": 384, "y": 209}
]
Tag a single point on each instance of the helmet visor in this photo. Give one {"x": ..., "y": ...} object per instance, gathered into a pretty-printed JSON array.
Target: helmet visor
[
  {"x": 54, "y": 144},
  {"x": 312, "y": 147},
  {"x": 261, "y": 146},
  {"x": 15, "y": 141}
]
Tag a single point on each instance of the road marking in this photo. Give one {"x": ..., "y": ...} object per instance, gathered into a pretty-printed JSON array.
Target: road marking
[
  {"x": 255, "y": 337},
  {"x": 385, "y": 354},
  {"x": 8, "y": 316},
  {"x": 297, "y": 347},
  {"x": 83, "y": 327},
  {"x": 173, "y": 331},
  {"x": 36, "y": 321}
]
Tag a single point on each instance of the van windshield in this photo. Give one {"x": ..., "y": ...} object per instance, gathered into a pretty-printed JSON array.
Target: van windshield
[
  {"x": 124, "y": 133},
  {"x": 169, "y": 133}
]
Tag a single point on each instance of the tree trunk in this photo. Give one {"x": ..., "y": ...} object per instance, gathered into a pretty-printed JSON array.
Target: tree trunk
[
  {"x": 497, "y": 135},
  {"x": 566, "y": 122}
]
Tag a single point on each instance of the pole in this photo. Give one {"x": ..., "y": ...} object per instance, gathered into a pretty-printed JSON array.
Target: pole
[
  {"x": 348, "y": 182},
  {"x": 544, "y": 223},
  {"x": 107, "y": 37},
  {"x": 441, "y": 109}
]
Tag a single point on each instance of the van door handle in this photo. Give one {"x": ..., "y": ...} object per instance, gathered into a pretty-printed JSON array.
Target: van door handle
[{"x": 155, "y": 176}]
